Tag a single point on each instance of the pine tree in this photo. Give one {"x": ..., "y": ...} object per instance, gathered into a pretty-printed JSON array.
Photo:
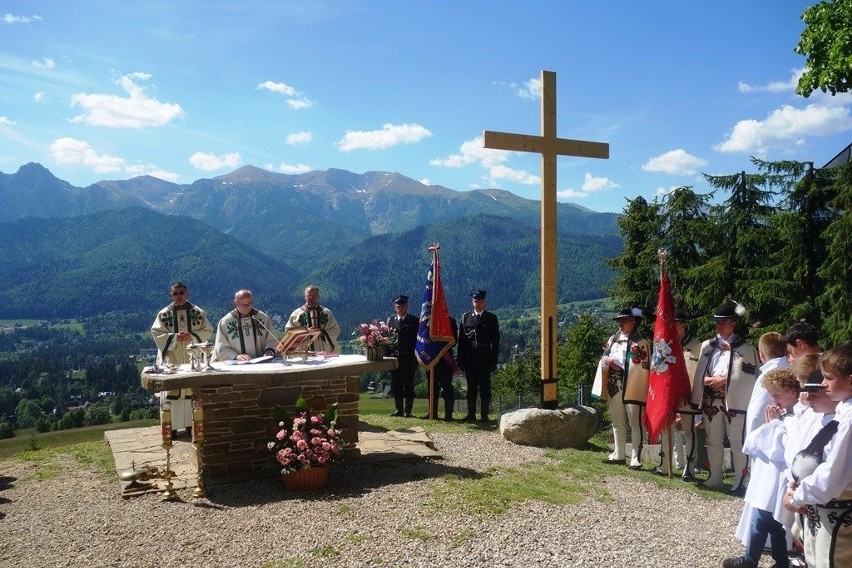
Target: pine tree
[
  {"x": 836, "y": 272},
  {"x": 741, "y": 244},
  {"x": 800, "y": 223},
  {"x": 637, "y": 265},
  {"x": 687, "y": 236}
]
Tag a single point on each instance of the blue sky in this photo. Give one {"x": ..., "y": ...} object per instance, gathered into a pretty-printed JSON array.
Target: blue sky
[{"x": 103, "y": 90}]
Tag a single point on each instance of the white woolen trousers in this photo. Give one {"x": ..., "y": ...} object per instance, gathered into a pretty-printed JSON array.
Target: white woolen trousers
[
  {"x": 716, "y": 430},
  {"x": 621, "y": 414}
]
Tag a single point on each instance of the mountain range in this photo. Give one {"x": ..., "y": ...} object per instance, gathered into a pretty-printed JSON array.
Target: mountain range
[{"x": 363, "y": 238}]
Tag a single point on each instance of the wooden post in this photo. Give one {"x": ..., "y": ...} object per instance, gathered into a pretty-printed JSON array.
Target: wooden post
[{"x": 549, "y": 146}]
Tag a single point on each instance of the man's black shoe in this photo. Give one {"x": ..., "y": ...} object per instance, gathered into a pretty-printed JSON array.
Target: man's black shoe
[
  {"x": 407, "y": 415},
  {"x": 738, "y": 562},
  {"x": 396, "y": 413},
  {"x": 615, "y": 462},
  {"x": 469, "y": 418},
  {"x": 484, "y": 418}
]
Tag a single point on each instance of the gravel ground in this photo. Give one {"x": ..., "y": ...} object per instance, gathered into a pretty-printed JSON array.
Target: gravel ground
[{"x": 368, "y": 515}]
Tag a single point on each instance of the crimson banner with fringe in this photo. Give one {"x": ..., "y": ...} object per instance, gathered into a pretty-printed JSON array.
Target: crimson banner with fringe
[{"x": 668, "y": 382}]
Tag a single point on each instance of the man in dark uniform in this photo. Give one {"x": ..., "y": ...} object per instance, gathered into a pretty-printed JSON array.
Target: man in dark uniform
[
  {"x": 444, "y": 370},
  {"x": 402, "y": 378},
  {"x": 479, "y": 345}
]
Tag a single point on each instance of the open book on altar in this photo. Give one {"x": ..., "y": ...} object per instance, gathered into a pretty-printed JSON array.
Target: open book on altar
[{"x": 297, "y": 339}]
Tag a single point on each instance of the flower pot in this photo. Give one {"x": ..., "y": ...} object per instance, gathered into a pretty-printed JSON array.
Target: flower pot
[
  {"x": 305, "y": 479},
  {"x": 374, "y": 353}
]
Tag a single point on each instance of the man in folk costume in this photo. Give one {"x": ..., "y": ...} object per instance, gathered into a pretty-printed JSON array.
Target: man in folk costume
[
  {"x": 245, "y": 332},
  {"x": 479, "y": 347},
  {"x": 685, "y": 453},
  {"x": 721, "y": 388},
  {"x": 316, "y": 317},
  {"x": 176, "y": 326},
  {"x": 622, "y": 380},
  {"x": 402, "y": 378}
]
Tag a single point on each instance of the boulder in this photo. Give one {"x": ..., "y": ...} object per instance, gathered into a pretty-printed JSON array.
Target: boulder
[{"x": 562, "y": 428}]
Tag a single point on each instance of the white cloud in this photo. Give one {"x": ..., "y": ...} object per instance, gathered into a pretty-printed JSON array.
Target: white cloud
[
  {"x": 12, "y": 19},
  {"x": 285, "y": 168},
  {"x": 295, "y": 99},
  {"x": 675, "y": 162},
  {"x": 38, "y": 97},
  {"x": 151, "y": 170},
  {"x": 390, "y": 135},
  {"x": 426, "y": 181},
  {"x": 46, "y": 63},
  {"x": 300, "y": 103},
  {"x": 773, "y": 86},
  {"x": 473, "y": 152},
  {"x": 785, "y": 126},
  {"x": 295, "y": 138},
  {"x": 135, "y": 111},
  {"x": 77, "y": 152},
  {"x": 5, "y": 121},
  {"x": 661, "y": 191},
  {"x": 570, "y": 194},
  {"x": 592, "y": 183},
  {"x": 530, "y": 90},
  {"x": 501, "y": 172},
  {"x": 209, "y": 162}
]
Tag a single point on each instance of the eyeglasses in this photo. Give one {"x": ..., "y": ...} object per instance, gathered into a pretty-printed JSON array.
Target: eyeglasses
[
  {"x": 245, "y": 304},
  {"x": 179, "y": 293}
]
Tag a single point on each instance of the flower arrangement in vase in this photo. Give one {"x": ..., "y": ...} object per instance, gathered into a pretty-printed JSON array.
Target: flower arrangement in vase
[
  {"x": 376, "y": 337},
  {"x": 310, "y": 441}
]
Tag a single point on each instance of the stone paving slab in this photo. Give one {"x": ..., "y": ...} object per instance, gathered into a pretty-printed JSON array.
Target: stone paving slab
[{"x": 139, "y": 448}]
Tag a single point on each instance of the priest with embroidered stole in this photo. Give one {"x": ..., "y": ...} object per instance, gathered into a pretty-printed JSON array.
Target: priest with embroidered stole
[
  {"x": 313, "y": 316},
  {"x": 245, "y": 332},
  {"x": 175, "y": 327}
]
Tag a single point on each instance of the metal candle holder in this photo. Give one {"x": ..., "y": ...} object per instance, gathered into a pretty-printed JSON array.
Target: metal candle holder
[
  {"x": 200, "y": 490},
  {"x": 169, "y": 493}
]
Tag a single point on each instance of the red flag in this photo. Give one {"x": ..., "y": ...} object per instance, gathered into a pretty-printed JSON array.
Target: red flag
[
  {"x": 668, "y": 383},
  {"x": 439, "y": 325},
  {"x": 435, "y": 333}
]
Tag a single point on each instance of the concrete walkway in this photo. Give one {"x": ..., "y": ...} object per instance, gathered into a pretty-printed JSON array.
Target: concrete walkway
[{"x": 141, "y": 450}]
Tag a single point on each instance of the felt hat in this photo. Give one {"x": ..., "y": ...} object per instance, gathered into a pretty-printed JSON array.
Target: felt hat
[
  {"x": 635, "y": 313},
  {"x": 478, "y": 294},
  {"x": 681, "y": 315},
  {"x": 400, "y": 300},
  {"x": 729, "y": 309},
  {"x": 813, "y": 382}
]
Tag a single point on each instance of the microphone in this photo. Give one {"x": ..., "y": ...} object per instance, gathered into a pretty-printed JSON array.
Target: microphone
[{"x": 260, "y": 323}]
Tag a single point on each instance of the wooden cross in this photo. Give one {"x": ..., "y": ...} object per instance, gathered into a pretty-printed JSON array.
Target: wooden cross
[{"x": 549, "y": 146}]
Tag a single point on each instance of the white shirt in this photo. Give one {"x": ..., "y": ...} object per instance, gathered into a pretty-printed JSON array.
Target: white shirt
[{"x": 834, "y": 475}]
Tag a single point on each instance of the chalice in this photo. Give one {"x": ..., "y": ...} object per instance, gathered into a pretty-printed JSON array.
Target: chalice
[{"x": 207, "y": 351}]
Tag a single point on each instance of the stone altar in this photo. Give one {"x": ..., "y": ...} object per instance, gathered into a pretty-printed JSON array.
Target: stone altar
[{"x": 239, "y": 400}]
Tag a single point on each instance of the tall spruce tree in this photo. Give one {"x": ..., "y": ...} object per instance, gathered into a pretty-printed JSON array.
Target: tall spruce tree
[
  {"x": 637, "y": 266},
  {"x": 738, "y": 259},
  {"x": 687, "y": 235},
  {"x": 836, "y": 272},
  {"x": 800, "y": 250}
]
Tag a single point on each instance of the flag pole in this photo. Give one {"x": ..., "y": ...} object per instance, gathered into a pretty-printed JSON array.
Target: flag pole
[
  {"x": 432, "y": 394},
  {"x": 663, "y": 256},
  {"x": 433, "y": 405}
]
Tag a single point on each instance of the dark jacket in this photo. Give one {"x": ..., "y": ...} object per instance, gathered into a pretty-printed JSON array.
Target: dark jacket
[{"x": 479, "y": 340}]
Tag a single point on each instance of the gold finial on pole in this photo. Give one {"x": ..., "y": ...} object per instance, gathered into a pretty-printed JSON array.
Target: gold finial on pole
[{"x": 663, "y": 254}]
